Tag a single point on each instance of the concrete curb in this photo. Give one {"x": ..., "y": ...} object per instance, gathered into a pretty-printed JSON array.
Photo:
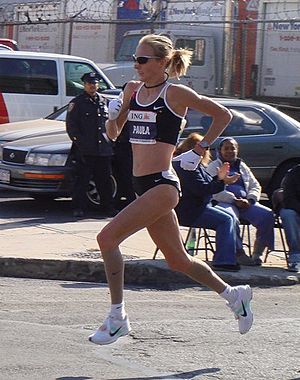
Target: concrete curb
[{"x": 137, "y": 272}]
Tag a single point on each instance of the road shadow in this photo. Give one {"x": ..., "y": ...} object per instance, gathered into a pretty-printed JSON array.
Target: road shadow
[
  {"x": 138, "y": 288},
  {"x": 30, "y": 212},
  {"x": 31, "y": 208},
  {"x": 73, "y": 378},
  {"x": 182, "y": 375}
]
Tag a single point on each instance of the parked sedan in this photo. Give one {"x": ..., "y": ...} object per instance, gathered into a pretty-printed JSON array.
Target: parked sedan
[
  {"x": 52, "y": 125},
  {"x": 269, "y": 140},
  {"x": 45, "y": 181},
  {"x": 42, "y": 166}
]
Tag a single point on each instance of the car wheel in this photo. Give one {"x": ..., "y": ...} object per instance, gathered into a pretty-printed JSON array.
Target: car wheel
[
  {"x": 92, "y": 195},
  {"x": 278, "y": 176}
]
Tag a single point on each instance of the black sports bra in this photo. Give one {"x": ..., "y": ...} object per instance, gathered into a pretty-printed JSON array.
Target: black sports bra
[{"x": 153, "y": 122}]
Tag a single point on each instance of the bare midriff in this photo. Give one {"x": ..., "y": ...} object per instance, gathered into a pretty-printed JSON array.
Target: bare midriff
[{"x": 152, "y": 158}]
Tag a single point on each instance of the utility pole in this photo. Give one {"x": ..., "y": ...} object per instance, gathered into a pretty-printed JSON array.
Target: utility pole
[{"x": 228, "y": 48}]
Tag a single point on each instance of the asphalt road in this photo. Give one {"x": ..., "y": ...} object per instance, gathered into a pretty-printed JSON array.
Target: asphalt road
[
  {"x": 185, "y": 333},
  {"x": 18, "y": 205}
]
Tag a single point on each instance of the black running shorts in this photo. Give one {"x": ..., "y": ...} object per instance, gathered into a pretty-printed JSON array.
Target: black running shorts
[{"x": 146, "y": 182}]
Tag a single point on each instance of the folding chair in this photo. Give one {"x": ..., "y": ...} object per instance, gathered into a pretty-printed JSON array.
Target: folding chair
[
  {"x": 245, "y": 234},
  {"x": 277, "y": 199},
  {"x": 284, "y": 249},
  {"x": 209, "y": 241},
  {"x": 201, "y": 233}
]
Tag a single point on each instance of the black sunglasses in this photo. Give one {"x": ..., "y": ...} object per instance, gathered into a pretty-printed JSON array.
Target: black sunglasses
[{"x": 144, "y": 59}]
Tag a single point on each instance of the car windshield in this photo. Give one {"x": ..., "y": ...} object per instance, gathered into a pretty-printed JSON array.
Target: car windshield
[
  {"x": 128, "y": 47},
  {"x": 60, "y": 114}
]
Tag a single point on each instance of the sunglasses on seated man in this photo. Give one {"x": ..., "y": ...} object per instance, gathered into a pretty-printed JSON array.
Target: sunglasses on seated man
[{"x": 143, "y": 59}]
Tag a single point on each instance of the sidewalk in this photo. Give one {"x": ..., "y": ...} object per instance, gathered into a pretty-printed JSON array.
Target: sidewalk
[{"x": 68, "y": 251}]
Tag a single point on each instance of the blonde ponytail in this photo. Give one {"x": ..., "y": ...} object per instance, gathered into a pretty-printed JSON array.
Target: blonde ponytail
[{"x": 178, "y": 60}]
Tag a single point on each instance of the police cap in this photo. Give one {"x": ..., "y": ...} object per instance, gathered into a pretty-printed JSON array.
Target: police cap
[{"x": 91, "y": 77}]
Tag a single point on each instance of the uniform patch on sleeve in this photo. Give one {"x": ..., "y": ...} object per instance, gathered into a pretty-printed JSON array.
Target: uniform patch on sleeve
[{"x": 71, "y": 106}]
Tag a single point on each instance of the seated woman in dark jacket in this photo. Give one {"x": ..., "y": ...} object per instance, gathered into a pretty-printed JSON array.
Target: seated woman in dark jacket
[{"x": 195, "y": 210}]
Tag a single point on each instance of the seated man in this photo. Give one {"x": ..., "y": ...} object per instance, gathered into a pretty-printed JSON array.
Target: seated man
[
  {"x": 195, "y": 210},
  {"x": 290, "y": 216}
]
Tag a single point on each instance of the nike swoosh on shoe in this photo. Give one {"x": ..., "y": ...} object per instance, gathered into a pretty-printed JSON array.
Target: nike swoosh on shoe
[
  {"x": 244, "y": 310},
  {"x": 115, "y": 332}
]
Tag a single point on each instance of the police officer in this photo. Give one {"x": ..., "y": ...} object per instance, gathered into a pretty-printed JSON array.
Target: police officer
[{"x": 91, "y": 148}]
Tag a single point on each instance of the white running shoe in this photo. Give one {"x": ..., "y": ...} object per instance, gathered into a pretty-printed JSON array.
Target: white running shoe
[
  {"x": 111, "y": 330},
  {"x": 241, "y": 308}
]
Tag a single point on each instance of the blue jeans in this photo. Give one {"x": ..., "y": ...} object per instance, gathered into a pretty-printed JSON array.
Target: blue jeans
[
  {"x": 291, "y": 224},
  {"x": 215, "y": 218},
  {"x": 260, "y": 217}
]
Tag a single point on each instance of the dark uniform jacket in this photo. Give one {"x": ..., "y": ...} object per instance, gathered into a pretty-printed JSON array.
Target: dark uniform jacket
[
  {"x": 86, "y": 125},
  {"x": 197, "y": 188},
  {"x": 291, "y": 189}
]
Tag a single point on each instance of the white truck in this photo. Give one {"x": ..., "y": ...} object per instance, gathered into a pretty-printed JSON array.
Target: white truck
[
  {"x": 278, "y": 49},
  {"x": 273, "y": 55},
  {"x": 203, "y": 75},
  {"x": 197, "y": 25},
  {"x": 33, "y": 85}
]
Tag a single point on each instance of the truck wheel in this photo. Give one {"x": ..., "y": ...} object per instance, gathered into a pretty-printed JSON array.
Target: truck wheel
[
  {"x": 278, "y": 176},
  {"x": 92, "y": 195}
]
